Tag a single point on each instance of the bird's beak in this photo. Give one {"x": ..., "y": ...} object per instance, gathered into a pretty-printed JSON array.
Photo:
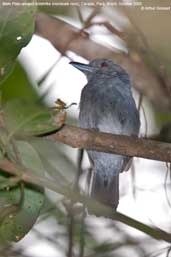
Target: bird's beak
[{"x": 83, "y": 67}]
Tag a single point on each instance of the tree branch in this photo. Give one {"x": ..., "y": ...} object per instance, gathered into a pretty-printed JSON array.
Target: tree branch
[
  {"x": 110, "y": 143},
  {"x": 94, "y": 207}
]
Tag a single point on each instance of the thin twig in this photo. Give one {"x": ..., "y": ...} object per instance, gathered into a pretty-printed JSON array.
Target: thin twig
[
  {"x": 82, "y": 239},
  {"x": 79, "y": 171},
  {"x": 70, "y": 232},
  {"x": 80, "y": 15},
  {"x": 82, "y": 233},
  {"x": 133, "y": 180},
  {"x": 165, "y": 184},
  {"x": 140, "y": 102}
]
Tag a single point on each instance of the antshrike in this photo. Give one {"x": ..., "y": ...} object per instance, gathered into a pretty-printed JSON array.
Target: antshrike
[{"x": 107, "y": 105}]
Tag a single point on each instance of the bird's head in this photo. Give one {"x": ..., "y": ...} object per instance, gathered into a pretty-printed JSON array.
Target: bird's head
[{"x": 102, "y": 66}]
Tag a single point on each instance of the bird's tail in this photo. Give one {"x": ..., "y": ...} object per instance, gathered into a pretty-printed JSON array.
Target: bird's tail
[{"x": 106, "y": 190}]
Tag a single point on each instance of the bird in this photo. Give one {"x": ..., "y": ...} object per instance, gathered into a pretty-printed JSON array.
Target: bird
[{"x": 107, "y": 105}]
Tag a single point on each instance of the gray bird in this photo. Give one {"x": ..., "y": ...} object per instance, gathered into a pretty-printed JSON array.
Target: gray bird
[{"x": 107, "y": 105}]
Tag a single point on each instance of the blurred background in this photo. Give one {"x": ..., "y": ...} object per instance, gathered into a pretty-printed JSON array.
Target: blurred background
[{"x": 136, "y": 36}]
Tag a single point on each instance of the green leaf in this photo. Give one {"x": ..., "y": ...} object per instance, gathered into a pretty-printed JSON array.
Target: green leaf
[
  {"x": 18, "y": 222},
  {"x": 30, "y": 157},
  {"x": 16, "y": 29},
  {"x": 55, "y": 10},
  {"x": 25, "y": 117},
  {"x": 19, "y": 209},
  {"x": 18, "y": 85},
  {"x": 23, "y": 109},
  {"x": 162, "y": 118},
  {"x": 55, "y": 160}
]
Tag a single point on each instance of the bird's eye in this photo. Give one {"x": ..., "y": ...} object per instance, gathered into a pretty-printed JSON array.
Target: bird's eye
[{"x": 104, "y": 65}]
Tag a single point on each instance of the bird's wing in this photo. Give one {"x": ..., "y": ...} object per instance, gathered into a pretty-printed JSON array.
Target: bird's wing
[
  {"x": 115, "y": 113},
  {"x": 117, "y": 116}
]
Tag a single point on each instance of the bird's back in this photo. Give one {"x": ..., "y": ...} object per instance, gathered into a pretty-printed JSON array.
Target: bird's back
[{"x": 109, "y": 108}]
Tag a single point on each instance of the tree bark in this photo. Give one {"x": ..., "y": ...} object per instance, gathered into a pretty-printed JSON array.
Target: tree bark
[{"x": 116, "y": 144}]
